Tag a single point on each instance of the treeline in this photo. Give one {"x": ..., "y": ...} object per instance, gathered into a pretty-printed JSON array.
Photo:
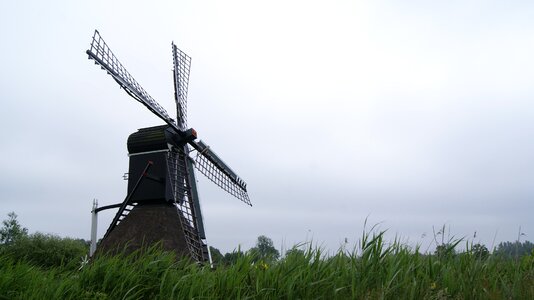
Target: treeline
[
  {"x": 264, "y": 251},
  {"x": 50, "y": 250},
  {"x": 514, "y": 249},
  {"x": 40, "y": 266}
]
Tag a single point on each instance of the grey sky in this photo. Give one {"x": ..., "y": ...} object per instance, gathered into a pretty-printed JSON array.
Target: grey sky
[{"x": 408, "y": 113}]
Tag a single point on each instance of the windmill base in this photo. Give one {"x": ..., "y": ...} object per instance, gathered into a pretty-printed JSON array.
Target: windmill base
[{"x": 145, "y": 226}]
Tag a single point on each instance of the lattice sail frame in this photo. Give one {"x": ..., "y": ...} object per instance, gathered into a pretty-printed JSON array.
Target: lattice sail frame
[
  {"x": 183, "y": 199},
  {"x": 211, "y": 166},
  {"x": 103, "y": 56},
  {"x": 182, "y": 67}
]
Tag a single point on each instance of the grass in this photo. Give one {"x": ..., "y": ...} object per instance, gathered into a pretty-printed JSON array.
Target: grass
[{"x": 374, "y": 270}]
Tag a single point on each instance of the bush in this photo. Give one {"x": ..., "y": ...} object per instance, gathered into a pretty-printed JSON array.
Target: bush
[{"x": 46, "y": 250}]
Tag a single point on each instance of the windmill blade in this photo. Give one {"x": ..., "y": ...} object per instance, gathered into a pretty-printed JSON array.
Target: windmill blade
[
  {"x": 209, "y": 164},
  {"x": 103, "y": 56},
  {"x": 184, "y": 198},
  {"x": 182, "y": 67}
]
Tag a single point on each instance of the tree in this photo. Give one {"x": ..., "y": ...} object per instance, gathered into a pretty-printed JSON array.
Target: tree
[
  {"x": 514, "y": 249},
  {"x": 480, "y": 251},
  {"x": 232, "y": 257},
  {"x": 294, "y": 252},
  {"x": 264, "y": 250},
  {"x": 216, "y": 255},
  {"x": 11, "y": 230},
  {"x": 445, "y": 250}
]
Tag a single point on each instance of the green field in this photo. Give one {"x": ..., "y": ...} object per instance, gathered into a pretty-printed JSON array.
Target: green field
[{"x": 51, "y": 269}]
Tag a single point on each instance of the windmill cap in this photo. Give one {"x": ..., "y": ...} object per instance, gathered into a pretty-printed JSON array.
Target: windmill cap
[{"x": 157, "y": 138}]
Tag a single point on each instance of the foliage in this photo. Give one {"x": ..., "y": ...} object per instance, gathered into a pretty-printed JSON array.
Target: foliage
[
  {"x": 45, "y": 250},
  {"x": 232, "y": 257},
  {"x": 480, "y": 251},
  {"x": 514, "y": 249},
  {"x": 11, "y": 230},
  {"x": 445, "y": 250},
  {"x": 374, "y": 270},
  {"x": 216, "y": 255},
  {"x": 41, "y": 266},
  {"x": 264, "y": 250},
  {"x": 294, "y": 252}
]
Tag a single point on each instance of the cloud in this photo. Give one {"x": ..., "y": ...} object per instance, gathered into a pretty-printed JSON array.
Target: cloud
[{"x": 413, "y": 114}]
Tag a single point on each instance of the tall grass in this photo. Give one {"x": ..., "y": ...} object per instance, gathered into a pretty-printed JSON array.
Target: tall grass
[{"x": 373, "y": 270}]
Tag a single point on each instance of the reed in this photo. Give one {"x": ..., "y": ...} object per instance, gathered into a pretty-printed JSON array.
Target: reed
[{"x": 373, "y": 270}]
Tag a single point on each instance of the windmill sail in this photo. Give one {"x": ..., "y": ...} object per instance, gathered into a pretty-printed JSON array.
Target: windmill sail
[
  {"x": 182, "y": 66},
  {"x": 179, "y": 174},
  {"x": 103, "y": 56},
  {"x": 209, "y": 164}
]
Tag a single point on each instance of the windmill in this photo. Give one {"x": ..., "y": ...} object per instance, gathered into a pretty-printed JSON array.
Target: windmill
[{"x": 162, "y": 203}]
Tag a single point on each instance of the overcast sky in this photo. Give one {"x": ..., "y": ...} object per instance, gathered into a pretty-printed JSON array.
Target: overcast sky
[{"x": 409, "y": 113}]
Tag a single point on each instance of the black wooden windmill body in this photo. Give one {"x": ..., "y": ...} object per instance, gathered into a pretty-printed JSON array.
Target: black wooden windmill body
[{"x": 162, "y": 203}]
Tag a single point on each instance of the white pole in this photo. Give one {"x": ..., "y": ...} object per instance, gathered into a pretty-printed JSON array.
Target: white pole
[
  {"x": 209, "y": 255},
  {"x": 94, "y": 224}
]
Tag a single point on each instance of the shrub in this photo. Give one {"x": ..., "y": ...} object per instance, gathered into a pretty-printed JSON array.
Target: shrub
[{"x": 46, "y": 250}]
